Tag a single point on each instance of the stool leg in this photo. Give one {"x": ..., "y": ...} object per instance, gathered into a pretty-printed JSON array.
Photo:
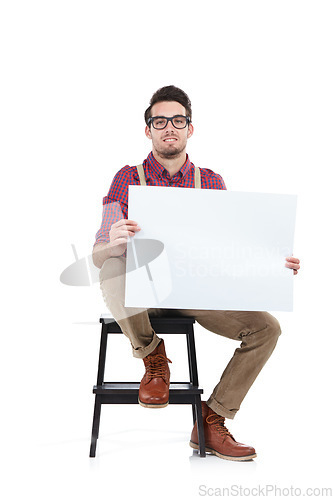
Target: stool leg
[
  {"x": 193, "y": 413},
  {"x": 201, "y": 435},
  {"x": 192, "y": 359},
  {"x": 95, "y": 426},
  {"x": 98, "y": 398}
]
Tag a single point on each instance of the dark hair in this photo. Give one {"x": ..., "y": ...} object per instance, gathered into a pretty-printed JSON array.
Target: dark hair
[{"x": 169, "y": 93}]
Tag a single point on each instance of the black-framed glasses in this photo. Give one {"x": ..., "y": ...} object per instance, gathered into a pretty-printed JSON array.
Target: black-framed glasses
[{"x": 160, "y": 122}]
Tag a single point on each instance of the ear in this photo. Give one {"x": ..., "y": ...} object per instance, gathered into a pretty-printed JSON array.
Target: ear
[
  {"x": 190, "y": 130},
  {"x": 147, "y": 132}
]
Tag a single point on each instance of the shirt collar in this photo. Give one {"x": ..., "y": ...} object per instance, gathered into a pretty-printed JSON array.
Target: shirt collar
[{"x": 155, "y": 167}]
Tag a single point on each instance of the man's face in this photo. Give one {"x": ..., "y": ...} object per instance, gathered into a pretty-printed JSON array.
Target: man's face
[{"x": 169, "y": 142}]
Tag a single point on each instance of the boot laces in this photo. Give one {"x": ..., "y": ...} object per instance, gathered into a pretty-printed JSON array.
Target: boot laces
[
  {"x": 217, "y": 422},
  {"x": 157, "y": 366}
]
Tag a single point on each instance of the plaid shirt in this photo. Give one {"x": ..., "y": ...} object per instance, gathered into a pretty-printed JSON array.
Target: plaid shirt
[{"x": 115, "y": 204}]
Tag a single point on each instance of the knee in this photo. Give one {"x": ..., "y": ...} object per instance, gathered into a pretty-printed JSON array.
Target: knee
[
  {"x": 112, "y": 268},
  {"x": 265, "y": 323},
  {"x": 274, "y": 324},
  {"x": 273, "y": 327}
]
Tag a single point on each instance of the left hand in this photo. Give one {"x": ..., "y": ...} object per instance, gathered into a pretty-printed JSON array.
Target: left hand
[{"x": 293, "y": 263}]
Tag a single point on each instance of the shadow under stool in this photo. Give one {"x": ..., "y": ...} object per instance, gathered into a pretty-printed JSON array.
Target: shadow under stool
[{"x": 128, "y": 392}]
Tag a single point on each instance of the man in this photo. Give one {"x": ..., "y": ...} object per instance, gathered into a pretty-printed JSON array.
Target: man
[{"x": 168, "y": 126}]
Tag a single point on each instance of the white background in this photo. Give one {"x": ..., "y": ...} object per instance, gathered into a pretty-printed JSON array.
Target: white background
[{"x": 76, "y": 79}]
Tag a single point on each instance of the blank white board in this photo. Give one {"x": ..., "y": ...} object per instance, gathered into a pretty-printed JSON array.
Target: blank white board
[{"x": 210, "y": 249}]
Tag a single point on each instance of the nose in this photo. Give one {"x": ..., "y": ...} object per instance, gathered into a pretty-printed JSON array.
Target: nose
[{"x": 170, "y": 126}]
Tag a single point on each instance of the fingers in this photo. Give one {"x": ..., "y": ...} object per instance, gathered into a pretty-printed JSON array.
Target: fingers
[
  {"x": 293, "y": 259},
  {"x": 293, "y": 263},
  {"x": 122, "y": 222},
  {"x": 129, "y": 225},
  {"x": 121, "y": 230}
]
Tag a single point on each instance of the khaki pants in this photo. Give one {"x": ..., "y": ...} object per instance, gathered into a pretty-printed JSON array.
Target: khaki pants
[{"x": 257, "y": 331}]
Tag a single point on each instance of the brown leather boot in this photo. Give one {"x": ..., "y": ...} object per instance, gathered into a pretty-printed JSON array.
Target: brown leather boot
[
  {"x": 154, "y": 386},
  {"x": 218, "y": 439}
]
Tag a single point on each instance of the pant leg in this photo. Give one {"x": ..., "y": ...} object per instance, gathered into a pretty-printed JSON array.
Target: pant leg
[
  {"x": 134, "y": 322},
  {"x": 258, "y": 333}
]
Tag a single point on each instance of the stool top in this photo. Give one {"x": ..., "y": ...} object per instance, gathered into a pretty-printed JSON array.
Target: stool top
[{"x": 184, "y": 320}]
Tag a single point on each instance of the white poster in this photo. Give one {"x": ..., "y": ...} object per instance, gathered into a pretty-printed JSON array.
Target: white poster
[{"x": 210, "y": 249}]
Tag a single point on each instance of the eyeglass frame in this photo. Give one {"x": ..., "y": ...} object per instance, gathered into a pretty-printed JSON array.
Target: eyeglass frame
[{"x": 169, "y": 119}]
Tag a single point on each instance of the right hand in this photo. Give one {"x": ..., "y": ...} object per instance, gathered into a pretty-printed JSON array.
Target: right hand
[{"x": 119, "y": 233}]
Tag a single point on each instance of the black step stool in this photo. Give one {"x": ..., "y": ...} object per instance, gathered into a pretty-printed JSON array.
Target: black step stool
[{"x": 128, "y": 392}]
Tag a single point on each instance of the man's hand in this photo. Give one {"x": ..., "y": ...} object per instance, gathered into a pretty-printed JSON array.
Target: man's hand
[
  {"x": 119, "y": 233},
  {"x": 293, "y": 263}
]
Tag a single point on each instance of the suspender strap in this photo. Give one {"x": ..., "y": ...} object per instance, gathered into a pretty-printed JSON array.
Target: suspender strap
[
  {"x": 197, "y": 176},
  {"x": 141, "y": 175}
]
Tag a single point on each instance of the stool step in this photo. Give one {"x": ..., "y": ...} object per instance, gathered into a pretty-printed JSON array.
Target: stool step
[
  {"x": 133, "y": 388},
  {"x": 128, "y": 392}
]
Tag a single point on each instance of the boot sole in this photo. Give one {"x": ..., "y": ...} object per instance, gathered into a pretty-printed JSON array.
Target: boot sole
[
  {"x": 147, "y": 405},
  {"x": 226, "y": 457}
]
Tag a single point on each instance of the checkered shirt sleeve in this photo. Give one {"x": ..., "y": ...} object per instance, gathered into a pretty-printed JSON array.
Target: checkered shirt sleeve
[{"x": 115, "y": 204}]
